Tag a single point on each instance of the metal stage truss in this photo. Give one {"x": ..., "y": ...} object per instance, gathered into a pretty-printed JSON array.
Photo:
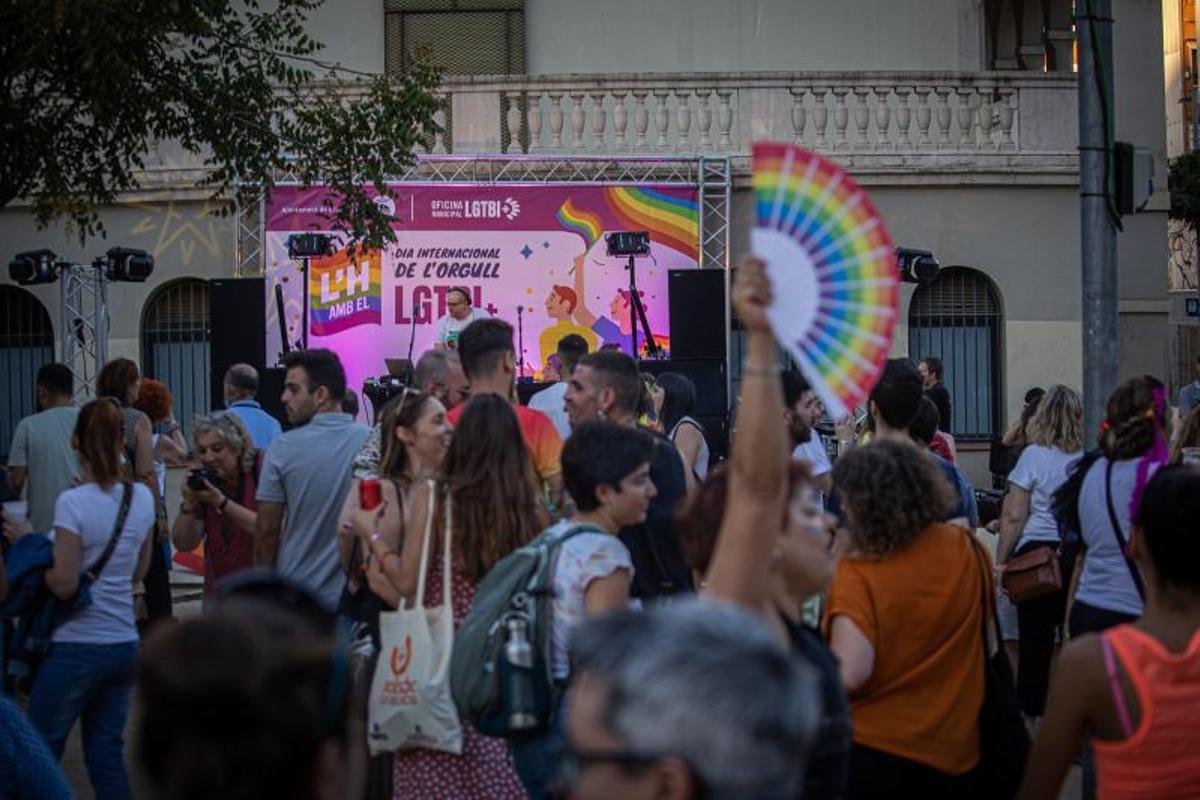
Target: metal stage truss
[
  {"x": 711, "y": 175},
  {"x": 83, "y": 304}
]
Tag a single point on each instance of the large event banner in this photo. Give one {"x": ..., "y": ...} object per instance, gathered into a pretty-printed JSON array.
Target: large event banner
[{"x": 533, "y": 255}]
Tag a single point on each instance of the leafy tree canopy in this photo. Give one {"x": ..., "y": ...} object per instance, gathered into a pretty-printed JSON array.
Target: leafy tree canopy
[
  {"x": 1183, "y": 181},
  {"x": 87, "y": 89}
]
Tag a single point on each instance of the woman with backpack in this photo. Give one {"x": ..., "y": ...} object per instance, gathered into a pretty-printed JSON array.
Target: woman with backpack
[
  {"x": 121, "y": 381},
  {"x": 488, "y": 487},
  {"x": 606, "y": 469},
  {"x": 1132, "y": 690},
  {"x": 219, "y": 507},
  {"x": 1101, "y": 498},
  {"x": 89, "y": 670}
]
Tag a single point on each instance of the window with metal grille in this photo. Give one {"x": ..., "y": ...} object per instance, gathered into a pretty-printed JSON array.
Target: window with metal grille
[
  {"x": 26, "y": 343},
  {"x": 175, "y": 345},
  {"x": 957, "y": 317},
  {"x": 463, "y": 37}
]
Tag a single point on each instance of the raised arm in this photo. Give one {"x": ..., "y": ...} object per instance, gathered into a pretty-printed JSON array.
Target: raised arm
[
  {"x": 582, "y": 314},
  {"x": 758, "y": 466}
]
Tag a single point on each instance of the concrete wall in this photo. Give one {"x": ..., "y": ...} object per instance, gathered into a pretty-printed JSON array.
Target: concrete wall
[
  {"x": 730, "y": 35},
  {"x": 1141, "y": 118}
]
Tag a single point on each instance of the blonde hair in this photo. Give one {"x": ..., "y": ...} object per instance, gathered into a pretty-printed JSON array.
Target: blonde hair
[
  {"x": 1058, "y": 421},
  {"x": 230, "y": 429}
]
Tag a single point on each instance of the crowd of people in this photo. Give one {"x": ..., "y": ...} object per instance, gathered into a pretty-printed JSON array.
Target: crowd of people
[{"x": 799, "y": 621}]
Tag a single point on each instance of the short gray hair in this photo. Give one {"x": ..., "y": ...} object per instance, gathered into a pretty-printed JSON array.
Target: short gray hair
[
  {"x": 242, "y": 377},
  {"x": 709, "y": 683},
  {"x": 230, "y": 429},
  {"x": 432, "y": 368}
]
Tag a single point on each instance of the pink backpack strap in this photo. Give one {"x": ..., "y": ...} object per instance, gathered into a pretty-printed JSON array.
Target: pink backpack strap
[{"x": 1114, "y": 685}]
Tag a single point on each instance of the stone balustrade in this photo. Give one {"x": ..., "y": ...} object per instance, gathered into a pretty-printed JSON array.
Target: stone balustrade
[{"x": 855, "y": 114}]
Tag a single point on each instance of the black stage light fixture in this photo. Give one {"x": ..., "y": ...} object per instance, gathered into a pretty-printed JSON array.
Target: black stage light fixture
[
  {"x": 916, "y": 266},
  {"x": 309, "y": 245},
  {"x": 33, "y": 267},
  {"x": 127, "y": 265},
  {"x": 628, "y": 243}
]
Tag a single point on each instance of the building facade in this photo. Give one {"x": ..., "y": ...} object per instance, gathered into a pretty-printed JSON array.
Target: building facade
[{"x": 958, "y": 116}]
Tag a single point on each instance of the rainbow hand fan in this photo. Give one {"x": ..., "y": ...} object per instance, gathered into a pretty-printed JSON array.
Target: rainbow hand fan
[{"x": 833, "y": 271}]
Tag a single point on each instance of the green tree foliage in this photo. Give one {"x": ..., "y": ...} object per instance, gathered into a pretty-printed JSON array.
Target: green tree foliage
[
  {"x": 1183, "y": 181},
  {"x": 89, "y": 87}
]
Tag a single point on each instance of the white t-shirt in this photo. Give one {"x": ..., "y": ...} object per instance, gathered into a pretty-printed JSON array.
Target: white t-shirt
[
  {"x": 90, "y": 513},
  {"x": 1105, "y": 582},
  {"x": 1041, "y": 471},
  {"x": 448, "y": 328},
  {"x": 813, "y": 451},
  {"x": 582, "y": 559},
  {"x": 549, "y": 401}
]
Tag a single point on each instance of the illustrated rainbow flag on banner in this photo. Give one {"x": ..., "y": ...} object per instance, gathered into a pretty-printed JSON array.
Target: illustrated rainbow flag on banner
[
  {"x": 344, "y": 294},
  {"x": 577, "y": 220},
  {"x": 671, "y": 221}
]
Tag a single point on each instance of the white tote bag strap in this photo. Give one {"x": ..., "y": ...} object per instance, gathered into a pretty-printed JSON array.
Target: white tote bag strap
[
  {"x": 429, "y": 513},
  {"x": 447, "y": 596}
]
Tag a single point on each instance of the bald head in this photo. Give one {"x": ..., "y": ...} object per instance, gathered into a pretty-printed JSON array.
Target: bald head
[{"x": 241, "y": 383}]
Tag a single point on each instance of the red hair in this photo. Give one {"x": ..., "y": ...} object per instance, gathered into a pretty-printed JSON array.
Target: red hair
[
  {"x": 567, "y": 295},
  {"x": 154, "y": 398}
]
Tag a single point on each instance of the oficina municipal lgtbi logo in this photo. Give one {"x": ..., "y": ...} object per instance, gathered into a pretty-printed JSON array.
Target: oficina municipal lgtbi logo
[{"x": 510, "y": 208}]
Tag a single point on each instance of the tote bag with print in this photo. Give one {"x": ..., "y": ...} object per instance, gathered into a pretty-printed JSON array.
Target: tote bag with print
[{"x": 410, "y": 702}]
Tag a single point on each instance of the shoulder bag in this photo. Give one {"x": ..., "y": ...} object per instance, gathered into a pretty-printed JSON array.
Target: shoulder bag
[{"x": 1116, "y": 529}]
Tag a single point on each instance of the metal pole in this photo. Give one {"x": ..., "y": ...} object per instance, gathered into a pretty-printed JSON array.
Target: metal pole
[{"x": 1098, "y": 231}]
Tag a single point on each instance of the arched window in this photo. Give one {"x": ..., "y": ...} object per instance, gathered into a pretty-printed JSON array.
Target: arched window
[
  {"x": 175, "y": 344},
  {"x": 957, "y": 318},
  {"x": 26, "y": 343}
]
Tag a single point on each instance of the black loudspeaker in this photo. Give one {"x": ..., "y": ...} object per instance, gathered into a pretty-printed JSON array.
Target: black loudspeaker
[
  {"x": 238, "y": 324},
  {"x": 697, "y": 306},
  {"x": 708, "y": 376},
  {"x": 270, "y": 392}
]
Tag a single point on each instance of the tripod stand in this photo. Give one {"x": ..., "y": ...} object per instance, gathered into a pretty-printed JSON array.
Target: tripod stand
[{"x": 637, "y": 313}]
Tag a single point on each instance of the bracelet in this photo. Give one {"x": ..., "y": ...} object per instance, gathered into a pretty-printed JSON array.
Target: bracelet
[{"x": 221, "y": 508}]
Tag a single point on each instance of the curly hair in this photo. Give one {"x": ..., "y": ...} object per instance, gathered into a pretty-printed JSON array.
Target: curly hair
[
  {"x": 892, "y": 491},
  {"x": 1058, "y": 421},
  {"x": 1132, "y": 420},
  {"x": 154, "y": 398}
]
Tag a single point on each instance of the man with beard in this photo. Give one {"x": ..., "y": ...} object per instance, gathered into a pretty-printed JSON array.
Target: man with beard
[
  {"x": 606, "y": 385},
  {"x": 803, "y": 410}
]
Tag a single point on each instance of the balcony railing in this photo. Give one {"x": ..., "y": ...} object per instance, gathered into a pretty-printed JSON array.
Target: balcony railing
[{"x": 953, "y": 118}]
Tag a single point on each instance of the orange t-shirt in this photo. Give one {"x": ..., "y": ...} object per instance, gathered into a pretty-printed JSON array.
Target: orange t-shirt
[
  {"x": 920, "y": 609},
  {"x": 540, "y": 435}
]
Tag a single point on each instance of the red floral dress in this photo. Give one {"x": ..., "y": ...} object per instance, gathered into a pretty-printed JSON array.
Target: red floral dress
[{"x": 485, "y": 769}]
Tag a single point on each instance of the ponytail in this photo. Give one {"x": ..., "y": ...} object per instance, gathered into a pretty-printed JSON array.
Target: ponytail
[{"x": 98, "y": 439}]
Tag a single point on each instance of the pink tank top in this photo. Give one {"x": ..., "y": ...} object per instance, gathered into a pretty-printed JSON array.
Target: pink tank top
[{"x": 1161, "y": 757}]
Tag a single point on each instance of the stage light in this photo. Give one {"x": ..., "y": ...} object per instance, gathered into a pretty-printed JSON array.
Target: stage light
[
  {"x": 916, "y": 266},
  {"x": 127, "y": 265},
  {"x": 628, "y": 243},
  {"x": 33, "y": 267},
  {"x": 309, "y": 245}
]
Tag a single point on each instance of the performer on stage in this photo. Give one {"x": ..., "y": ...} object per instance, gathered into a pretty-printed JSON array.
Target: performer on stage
[{"x": 459, "y": 314}]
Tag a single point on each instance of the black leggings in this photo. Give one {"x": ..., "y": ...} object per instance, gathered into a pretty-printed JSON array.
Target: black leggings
[
  {"x": 1037, "y": 620},
  {"x": 876, "y": 774}
]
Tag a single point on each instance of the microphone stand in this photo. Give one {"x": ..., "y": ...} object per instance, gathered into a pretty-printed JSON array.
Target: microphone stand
[
  {"x": 521, "y": 342},
  {"x": 283, "y": 335},
  {"x": 637, "y": 313}
]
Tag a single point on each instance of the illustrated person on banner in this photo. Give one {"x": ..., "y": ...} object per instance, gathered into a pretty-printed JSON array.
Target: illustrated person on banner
[
  {"x": 614, "y": 329},
  {"x": 560, "y": 304},
  {"x": 459, "y": 314}
]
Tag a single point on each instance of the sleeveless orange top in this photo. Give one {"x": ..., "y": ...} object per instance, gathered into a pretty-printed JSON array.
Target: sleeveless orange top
[{"x": 1161, "y": 757}]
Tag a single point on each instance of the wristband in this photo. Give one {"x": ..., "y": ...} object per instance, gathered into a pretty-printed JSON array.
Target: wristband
[{"x": 224, "y": 502}]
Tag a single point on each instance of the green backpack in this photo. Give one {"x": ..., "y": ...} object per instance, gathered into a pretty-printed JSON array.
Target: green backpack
[{"x": 500, "y": 667}]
